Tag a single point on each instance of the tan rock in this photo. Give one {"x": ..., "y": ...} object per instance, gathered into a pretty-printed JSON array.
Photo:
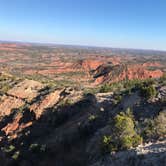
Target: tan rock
[
  {"x": 27, "y": 90},
  {"x": 49, "y": 101},
  {"x": 8, "y": 103},
  {"x": 14, "y": 127}
]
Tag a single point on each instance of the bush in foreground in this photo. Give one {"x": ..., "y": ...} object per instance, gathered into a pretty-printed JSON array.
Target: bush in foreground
[
  {"x": 154, "y": 128},
  {"x": 123, "y": 136}
]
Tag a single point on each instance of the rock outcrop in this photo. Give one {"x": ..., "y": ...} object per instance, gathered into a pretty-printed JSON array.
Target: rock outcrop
[
  {"x": 90, "y": 64},
  {"x": 48, "y": 102},
  {"x": 26, "y": 90},
  {"x": 148, "y": 154},
  {"x": 118, "y": 73},
  {"x": 8, "y": 103}
]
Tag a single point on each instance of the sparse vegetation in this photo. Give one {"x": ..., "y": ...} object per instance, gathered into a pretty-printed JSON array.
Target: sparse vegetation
[
  {"x": 65, "y": 102},
  {"x": 117, "y": 98},
  {"x": 92, "y": 117},
  {"x": 105, "y": 88},
  {"x": 155, "y": 128},
  {"x": 123, "y": 134},
  {"x": 36, "y": 148},
  {"x": 67, "y": 127},
  {"x": 16, "y": 155},
  {"x": 148, "y": 91}
]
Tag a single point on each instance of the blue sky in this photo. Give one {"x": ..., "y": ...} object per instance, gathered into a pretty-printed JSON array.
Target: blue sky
[{"x": 112, "y": 23}]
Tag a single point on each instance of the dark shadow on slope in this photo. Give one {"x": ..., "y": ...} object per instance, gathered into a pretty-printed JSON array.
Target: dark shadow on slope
[
  {"x": 148, "y": 110},
  {"x": 59, "y": 136}
]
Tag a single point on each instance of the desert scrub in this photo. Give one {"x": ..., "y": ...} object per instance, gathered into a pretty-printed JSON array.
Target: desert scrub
[
  {"x": 65, "y": 102},
  {"x": 129, "y": 84},
  {"x": 108, "y": 145},
  {"x": 154, "y": 128},
  {"x": 16, "y": 155},
  {"x": 90, "y": 90},
  {"x": 105, "y": 88},
  {"x": 92, "y": 117},
  {"x": 148, "y": 91},
  {"x": 162, "y": 80},
  {"x": 160, "y": 124},
  {"x": 117, "y": 99},
  {"x": 123, "y": 135},
  {"x": 7, "y": 82},
  {"x": 36, "y": 148},
  {"x": 8, "y": 149},
  {"x": 125, "y": 131}
]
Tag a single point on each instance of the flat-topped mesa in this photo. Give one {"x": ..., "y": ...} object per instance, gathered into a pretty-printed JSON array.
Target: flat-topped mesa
[{"x": 26, "y": 90}]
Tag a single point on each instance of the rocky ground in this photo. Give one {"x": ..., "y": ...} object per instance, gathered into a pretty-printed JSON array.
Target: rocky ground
[
  {"x": 46, "y": 120},
  {"x": 151, "y": 154},
  {"x": 68, "y": 124}
]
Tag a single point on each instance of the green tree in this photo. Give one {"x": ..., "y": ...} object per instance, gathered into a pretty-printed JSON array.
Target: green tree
[
  {"x": 123, "y": 135},
  {"x": 148, "y": 91},
  {"x": 160, "y": 124}
]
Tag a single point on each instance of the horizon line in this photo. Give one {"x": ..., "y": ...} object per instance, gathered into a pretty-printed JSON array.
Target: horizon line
[{"x": 82, "y": 45}]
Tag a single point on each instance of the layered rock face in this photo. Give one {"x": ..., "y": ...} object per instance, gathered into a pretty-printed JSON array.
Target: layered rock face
[
  {"x": 36, "y": 96},
  {"x": 90, "y": 64},
  {"x": 118, "y": 73},
  {"x": 22, "y": 93},
  {"x": 17, "y": 97}
]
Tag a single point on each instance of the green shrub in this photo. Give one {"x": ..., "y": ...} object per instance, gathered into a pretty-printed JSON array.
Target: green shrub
[
  {"x": 92, "y": 118},
  {"x": 123, "y": 135},
  {"x": 137, "y": 139},
  {"x": 9, "y": 149},
  {"x": 36, "y": 148},
  {"x": 163, "y": 78},
  {"x": 16, "y": 155},
  {"x": 147, "y": 129},
  {"x": 160, "y": 124},
  {"x": 155, "y": 128},
  {"x": 117, "y": 99},
  {"x": 108, "y": 144},
  {"x": 65, "y": 102},
  {"x": 105, "y": 88},
  {"x": 124, "y": 125},
  {"x": 125, "y": 130},
  {"x": 126, "y": 142},
  {"x": 148, "y": 91}
]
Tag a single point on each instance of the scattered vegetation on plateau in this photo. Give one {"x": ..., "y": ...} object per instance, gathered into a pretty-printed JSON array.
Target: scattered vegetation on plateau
[
  {"x": 7, "y": 82},
  {"x": 105, "y": 88}
]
